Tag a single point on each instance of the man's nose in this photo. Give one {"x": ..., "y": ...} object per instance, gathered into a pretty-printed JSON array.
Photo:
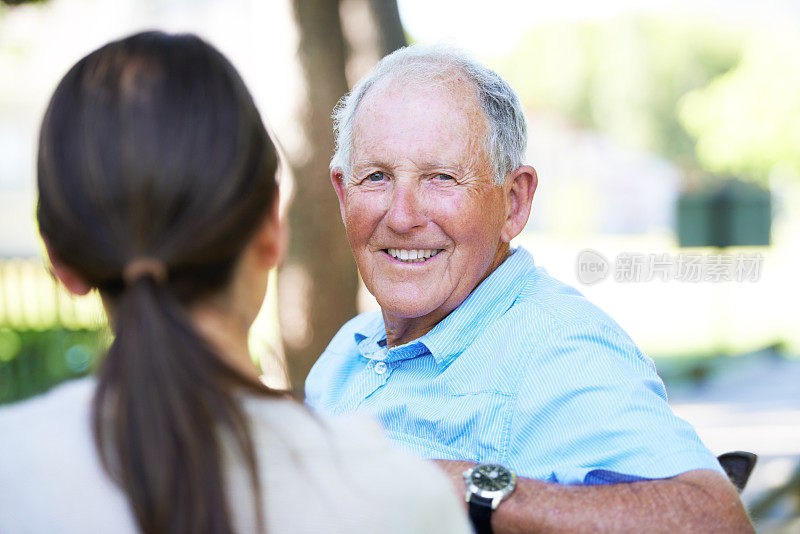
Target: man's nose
[{"x": 405, "y": 210}]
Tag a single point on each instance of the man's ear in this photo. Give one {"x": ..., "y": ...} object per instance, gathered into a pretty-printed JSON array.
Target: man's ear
[
  {"x": 518, "y": 190},
  {"x": 337, "y": 179},
  {"x": 74, "y": 282}
]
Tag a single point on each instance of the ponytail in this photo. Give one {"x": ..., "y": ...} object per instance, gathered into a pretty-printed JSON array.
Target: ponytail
[{"x": 163, "y": 396}]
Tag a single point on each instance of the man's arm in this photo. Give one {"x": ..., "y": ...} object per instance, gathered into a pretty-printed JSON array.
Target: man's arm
[{"x": 697, "y": 501}]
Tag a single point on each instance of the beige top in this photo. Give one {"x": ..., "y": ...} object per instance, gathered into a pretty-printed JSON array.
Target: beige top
[{"x": 316, "y": 476}]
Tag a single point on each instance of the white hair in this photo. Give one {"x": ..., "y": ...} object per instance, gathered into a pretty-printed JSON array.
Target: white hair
[{"x": 425, "y": 64}]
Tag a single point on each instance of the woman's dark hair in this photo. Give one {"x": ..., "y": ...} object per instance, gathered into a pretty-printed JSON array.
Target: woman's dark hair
[{"x": 152, "y": 147}]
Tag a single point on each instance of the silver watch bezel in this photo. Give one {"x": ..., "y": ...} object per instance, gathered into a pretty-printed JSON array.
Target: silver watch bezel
[{"x": 496, "y": 496}]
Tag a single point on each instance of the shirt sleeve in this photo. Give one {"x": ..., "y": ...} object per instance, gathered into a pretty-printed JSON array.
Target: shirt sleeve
[{"x": 592, "y": 410}]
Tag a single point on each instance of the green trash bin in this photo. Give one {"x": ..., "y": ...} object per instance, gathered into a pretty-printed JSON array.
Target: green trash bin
[{"x": 730, "y": 214}]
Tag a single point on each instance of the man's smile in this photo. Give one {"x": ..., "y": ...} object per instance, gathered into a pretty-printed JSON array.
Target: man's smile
[{"x": 411, "y": 255}]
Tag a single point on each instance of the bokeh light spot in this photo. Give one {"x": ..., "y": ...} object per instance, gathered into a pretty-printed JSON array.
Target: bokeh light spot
[
  {"x": 78, "y": 358},
  {"x": 10, "y": 344}
]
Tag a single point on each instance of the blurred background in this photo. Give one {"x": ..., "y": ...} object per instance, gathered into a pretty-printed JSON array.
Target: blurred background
[{"x": 666, "y": 136}]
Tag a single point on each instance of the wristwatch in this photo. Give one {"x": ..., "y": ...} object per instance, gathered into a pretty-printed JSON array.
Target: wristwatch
[{"x": 487, "y": 486}]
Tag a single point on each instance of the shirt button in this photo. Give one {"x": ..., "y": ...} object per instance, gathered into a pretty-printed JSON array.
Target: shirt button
[{"x": 380, "y": 368}]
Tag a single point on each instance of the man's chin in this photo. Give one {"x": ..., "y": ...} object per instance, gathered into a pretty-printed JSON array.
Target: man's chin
[{"x": 406, "y": 309}]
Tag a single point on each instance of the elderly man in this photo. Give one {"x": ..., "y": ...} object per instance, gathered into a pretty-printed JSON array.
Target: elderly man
[{"x": 477, "y": 355}]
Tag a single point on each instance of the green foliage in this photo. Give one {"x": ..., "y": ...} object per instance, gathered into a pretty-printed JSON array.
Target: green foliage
[
  {"x": 747, "y": 122},
  {"x": 710, "y": 97},
  {"x": 32, "y": 361},
  {"x": 623, "y": 76}
]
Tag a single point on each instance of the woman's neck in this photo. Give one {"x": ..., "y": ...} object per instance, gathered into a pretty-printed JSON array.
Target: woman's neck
[{"x": 227, "y": 332}]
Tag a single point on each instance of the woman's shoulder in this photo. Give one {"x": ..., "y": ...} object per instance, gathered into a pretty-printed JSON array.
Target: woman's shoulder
[
  {"x": 63, "y": 403},
  {"x": 293, "y": 423},
  {"x": 344, "y": 474},
  {"x": 47, "y": 429},
  {"x": 50, "y": 478},
  {"x": 52, "y": 424}
]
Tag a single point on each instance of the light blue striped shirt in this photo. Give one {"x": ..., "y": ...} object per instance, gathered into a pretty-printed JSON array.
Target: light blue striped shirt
[{"x": 525, "y": 372}]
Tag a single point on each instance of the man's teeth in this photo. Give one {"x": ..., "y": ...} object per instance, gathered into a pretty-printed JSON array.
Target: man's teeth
[{"x": 412, "y": 256}]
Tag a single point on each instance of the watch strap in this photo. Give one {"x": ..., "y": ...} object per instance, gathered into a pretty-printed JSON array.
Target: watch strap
[{"x": 480, "y": 513}]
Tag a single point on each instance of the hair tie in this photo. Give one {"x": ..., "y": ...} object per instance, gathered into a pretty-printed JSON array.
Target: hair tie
[{"x": 141, "y": 267}]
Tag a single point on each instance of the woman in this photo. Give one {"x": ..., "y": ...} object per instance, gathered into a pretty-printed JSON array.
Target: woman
[{"x": 157, "y": 187}]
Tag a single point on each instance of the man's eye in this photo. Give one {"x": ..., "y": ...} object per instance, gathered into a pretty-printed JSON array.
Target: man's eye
[
  {"x": 442, "y": 176},
  {"x": 376, "y": 177}
]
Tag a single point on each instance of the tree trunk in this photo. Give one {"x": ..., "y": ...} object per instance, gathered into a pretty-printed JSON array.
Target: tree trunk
[
  {"x": 390, "y": 29},
  {"x": 318, "y": 283}
]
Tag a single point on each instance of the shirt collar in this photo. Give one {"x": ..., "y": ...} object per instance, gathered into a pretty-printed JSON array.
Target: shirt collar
[
  {"x": 454, "y": 333},
  {"x": 493, "y": 297},
  {"x": 371, "y": 342}
]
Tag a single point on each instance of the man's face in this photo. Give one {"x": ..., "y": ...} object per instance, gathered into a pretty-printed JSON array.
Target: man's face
[{"x": 421, "y": 210}]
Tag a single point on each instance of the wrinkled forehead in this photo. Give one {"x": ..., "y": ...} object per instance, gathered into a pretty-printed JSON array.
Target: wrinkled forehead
[
  {"x": 415, "y": 81},
  {"x": 436, "y": 115}
]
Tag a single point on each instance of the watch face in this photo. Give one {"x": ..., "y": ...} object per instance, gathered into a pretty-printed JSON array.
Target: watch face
[{"x": 491, "y": 477}]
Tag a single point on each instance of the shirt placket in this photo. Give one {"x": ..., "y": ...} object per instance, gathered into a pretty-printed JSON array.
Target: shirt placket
[
  {"x": 374, "y": 376},
  {"x": 377, "y": 371}
]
